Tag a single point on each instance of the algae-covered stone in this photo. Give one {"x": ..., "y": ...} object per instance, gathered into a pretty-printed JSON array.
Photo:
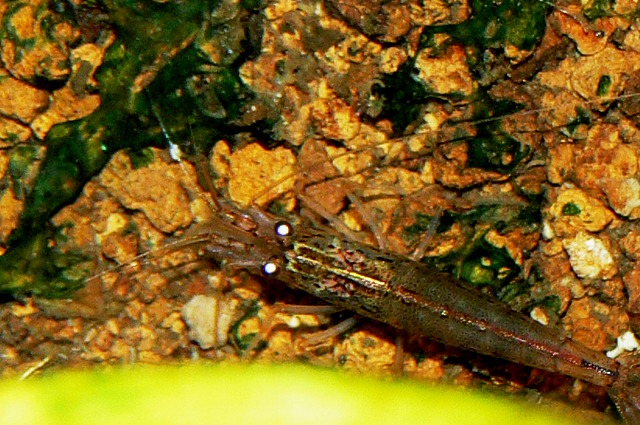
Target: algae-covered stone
[{"x": 574, "y": 210}]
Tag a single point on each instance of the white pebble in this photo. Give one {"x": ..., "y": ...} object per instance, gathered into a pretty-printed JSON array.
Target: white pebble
[
  {"x": 589, "y": 257},
  {"x": 209, "y": 320},
  {"x": 625, "y": 342}
]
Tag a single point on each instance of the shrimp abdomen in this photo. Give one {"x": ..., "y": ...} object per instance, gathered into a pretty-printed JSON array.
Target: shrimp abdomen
[{"x": 434, "y": 304}]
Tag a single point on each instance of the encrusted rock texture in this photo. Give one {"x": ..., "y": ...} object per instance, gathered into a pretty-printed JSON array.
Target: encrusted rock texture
[{"x": 319, "y": 71}]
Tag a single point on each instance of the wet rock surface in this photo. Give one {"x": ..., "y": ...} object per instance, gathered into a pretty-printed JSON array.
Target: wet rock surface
[{"x": 550, "y": 203}]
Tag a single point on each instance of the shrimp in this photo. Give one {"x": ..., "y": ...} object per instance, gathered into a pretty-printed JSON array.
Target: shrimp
[
  {"x": 425, "y": 301},
  {"x": 421, "y": 300},
  {"x": 488, "y": 189}
]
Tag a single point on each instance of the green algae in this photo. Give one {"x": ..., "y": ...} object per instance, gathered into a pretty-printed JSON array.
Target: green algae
[
  {"x": 571, "y": 209},
  {"x": 38, "y": 267},
  {"x": 487, "y": 265},
  {"x": 518, "y": 22},
  {"x": 76, "y": 151}
]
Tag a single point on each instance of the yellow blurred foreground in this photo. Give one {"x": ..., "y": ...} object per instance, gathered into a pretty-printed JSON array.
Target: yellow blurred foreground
[{"x": 250, "y": 394}]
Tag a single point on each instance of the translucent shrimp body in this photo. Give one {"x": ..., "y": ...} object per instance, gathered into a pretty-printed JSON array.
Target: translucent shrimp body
[{"x": 425, "y": 301}]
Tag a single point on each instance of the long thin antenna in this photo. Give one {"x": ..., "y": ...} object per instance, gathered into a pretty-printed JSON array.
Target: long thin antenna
[
  {"x": 176, "y": 154},
  {"x": 174, "y": 150}
]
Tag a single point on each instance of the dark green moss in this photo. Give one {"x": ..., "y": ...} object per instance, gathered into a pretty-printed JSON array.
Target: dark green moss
[
  {"x": 424, "y": 223},
  {"x": 518, "y": 22},
  {"x": 502, "y": 218},
  {"x": 514, "y": 289},
  {"x": 36, "y": 266},
  {"x": 487, "y": 265},
  {"x": 552, "y": 303},
  {"x": 131, "y": 229},
  {"x": 21, "y": 166},
  {"x": 253, "y": 4},
  {"x": 596, "y": 9},
  {"x": 404, "y": 97},
  {"x": 278, "y": 208},
  {"x": 491, "y": 148},
  {"x": 604, "y": 85},
  {"x": 571, "y": 209},
  {"x": 141, "y": 158},
  {"x": 76, "y": 151},
  {"x": 583, "y": 116},
  {"x": 495, "y": 151},
  {"x": 477, "y": 261}
]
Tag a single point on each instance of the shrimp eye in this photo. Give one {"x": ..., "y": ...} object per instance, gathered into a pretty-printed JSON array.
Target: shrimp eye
[
  {"x": 283, "y": 229},
  {"x": 271, "y": 267}
]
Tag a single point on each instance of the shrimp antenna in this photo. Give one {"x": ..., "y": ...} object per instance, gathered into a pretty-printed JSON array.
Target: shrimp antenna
[{"x": 175, "y": 152}]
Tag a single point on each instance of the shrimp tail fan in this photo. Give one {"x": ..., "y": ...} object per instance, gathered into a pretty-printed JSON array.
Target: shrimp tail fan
[{"x": 625, "y": 392}]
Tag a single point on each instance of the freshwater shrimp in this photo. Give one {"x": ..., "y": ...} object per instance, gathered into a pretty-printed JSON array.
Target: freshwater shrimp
[
  {"x": 338, "y": 271},
  {"x": 418, "y": 299},
  {"x": 444, "y": 180}
]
